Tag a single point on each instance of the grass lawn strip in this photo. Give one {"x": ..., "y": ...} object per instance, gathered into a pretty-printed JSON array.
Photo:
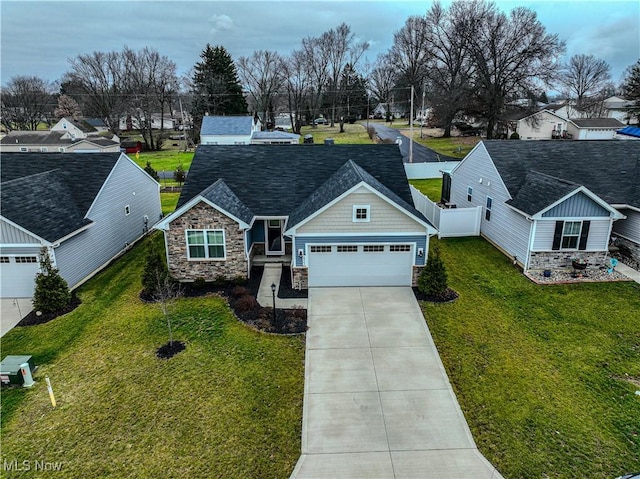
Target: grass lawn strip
[
  {"x": 432, "y": 187},
  {"x": 230, "y": 405},
  {"x": 535, "y": 367}
]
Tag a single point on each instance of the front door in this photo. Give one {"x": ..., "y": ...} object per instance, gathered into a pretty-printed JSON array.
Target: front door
[{"x": 274, "y": 240}]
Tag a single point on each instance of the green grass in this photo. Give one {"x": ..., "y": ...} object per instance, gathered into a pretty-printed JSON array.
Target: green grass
[
  {"x": 353, "y": 134},
  {"x": 169, "y": 202},
  {"x": 230, "y": 405},
  {"x": 164, "y": 160},
  {"x": 539, "y": 370},
  {"x": 432, "y": 187}
]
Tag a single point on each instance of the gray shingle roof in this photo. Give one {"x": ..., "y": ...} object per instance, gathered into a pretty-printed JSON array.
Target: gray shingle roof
[
  {"x": 34, "y": 138},
  {"x": 49, "y": 194},
  {"x": 597, "y": 122},
  {"x": 610, "y": 169},
  {"x": 226, "y": 125},
  {"x": 275, "y": 180},
  {"x": 220, "y": 194},
  {"x": 539, "y": 191}
]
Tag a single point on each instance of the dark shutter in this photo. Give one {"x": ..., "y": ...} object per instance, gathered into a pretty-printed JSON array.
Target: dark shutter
[
  {"x": 445, "y": 193},
  {"x": 557, "y": 235},
  {"x": 584, "y": 234}
]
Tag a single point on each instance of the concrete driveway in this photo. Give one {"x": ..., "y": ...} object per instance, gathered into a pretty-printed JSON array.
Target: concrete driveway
[
  {"x": 13, "y": 310},
  {"x": 377, "y": 400}
]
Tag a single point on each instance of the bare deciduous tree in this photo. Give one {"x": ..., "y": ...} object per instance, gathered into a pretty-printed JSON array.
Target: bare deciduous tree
[
  {"x": 26, "y": 101},
  {"x": 383, "y": 78},
  {"x": 585, "y": 76},
  {"x": 297, "y": 83}
]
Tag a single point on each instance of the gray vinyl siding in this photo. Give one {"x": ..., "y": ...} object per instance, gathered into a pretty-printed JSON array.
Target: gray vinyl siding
[
  {"x": 577, "y": 206},
  {"x": 629, "y": 227},
  {"x": 507, "y": 229},
  {"x": 597, "y": 240},
  {"x": 20, "y": 250},
  {"x": 9, "y": 234},
  {"x": 112, "y": 230},
  {"x": 421, "y": 241}
]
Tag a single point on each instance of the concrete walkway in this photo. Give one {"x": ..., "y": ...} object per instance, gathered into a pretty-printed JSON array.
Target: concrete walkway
[
  {"x": 628, "y": 272},
  {"x": 377, "y": 400},
  {"x": 271, "y": 275},
  {"x": 12, "y": 311}
]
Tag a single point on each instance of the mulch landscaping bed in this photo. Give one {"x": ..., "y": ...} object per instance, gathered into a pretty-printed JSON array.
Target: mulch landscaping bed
[
  {"x": 286, "y": 290},
  {"x": 448, "y": 296},
  {"x": 33, "y": 318},
  {"x": 169, "y": 350}
]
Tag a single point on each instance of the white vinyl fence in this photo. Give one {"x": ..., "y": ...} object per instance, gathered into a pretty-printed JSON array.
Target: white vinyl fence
[
  {"x": 451, "y": 222},
  {"x": 419, "y": 171}
]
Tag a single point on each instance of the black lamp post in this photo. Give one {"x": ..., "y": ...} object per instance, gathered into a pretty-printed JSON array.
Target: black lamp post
[{"x": 273, "y": 292}]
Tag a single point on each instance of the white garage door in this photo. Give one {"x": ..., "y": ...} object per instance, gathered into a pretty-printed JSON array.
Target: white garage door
[
  {"x": 360, "y": 265},
  {"x": 17, "y": 276}
]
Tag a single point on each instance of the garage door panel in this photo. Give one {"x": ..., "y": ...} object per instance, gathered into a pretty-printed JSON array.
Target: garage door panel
[
  {"x": 360, "y": 268},
  {"x": 17, "y": 276}
]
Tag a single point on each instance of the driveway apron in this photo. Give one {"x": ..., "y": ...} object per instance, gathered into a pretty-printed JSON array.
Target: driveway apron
[{"x": 377, "y": 400}]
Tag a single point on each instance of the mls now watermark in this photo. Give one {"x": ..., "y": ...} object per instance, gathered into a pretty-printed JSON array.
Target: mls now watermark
[{"x": 31, "y": 465}]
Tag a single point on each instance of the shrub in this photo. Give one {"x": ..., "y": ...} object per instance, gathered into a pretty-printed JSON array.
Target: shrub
[
  {"x": 239, "y": 291},
  {"x": 245, "y": 303},
  {"x": 199, "y": 283},
  {"x": 433, "y": 277},
  {"x": 514, "y": 136},
  {"x": 154, "y": 274},
  {"x": 52, "y": 294}
]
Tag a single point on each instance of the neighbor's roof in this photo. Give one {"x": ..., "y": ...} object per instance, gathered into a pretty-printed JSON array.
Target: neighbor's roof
[
  {"x": 596, "y": 122},
  {"x": 226, "y": 125},
  {"x": 279, "y": 180},
  {"x": 42, "y": 138},
  {"x": 610, "y": 169},
  {"x": 96, "y": 122},
  {"x": 274, "y": 135},
  {"x": 50, "y": 194}
]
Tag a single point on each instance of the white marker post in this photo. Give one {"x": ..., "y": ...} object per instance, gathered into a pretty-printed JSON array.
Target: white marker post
[{"x": 50, "y": 389}]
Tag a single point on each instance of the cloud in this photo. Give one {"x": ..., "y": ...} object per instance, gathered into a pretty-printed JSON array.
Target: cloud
[{"x": 220, "y": 23}]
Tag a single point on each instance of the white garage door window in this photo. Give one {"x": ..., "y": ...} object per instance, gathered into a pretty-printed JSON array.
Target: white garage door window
[
  {"x": 360, "y": 265},
  {"x": 17, "y": 276}
]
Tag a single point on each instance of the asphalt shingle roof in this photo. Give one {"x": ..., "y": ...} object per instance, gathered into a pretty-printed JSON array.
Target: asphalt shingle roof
[
  {"x": 226, "y": 125},
  {"x": 597, "y": 122},
  {"x": 610, "y": 169},
  {"x": 49, "y": 194},
  {"x": 275, "y": 180},
  {"x": 35, "y": 138}
]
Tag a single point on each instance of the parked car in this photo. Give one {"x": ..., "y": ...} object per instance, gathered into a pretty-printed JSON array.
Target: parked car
[{"x": 320, "y": 121}]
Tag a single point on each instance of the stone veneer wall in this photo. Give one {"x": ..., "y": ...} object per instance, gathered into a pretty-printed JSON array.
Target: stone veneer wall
[
  {"x": 300, "y": 278},
  {"x": 204, "y": 217},
  {"x": 541, "y": 260},
  {"x": 633, "y": 248},
  {"x": 416, "y": 274}
]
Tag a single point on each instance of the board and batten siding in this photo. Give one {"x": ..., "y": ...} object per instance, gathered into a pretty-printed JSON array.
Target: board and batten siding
[
  {"x": 597, "y": 240},
  {"x": 507, "y": 229},
  {"x": 9, "y": 234},
  {"x": 112, "y": 229},
  {"x": 578, "y": 205},
  {"x": 629, "y": 227},
  {"x": 384, "y": 217},
  {"x": 420, "y": 241}
]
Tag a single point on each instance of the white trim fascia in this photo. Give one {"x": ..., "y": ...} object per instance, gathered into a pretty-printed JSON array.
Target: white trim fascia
[
  {"x": 106, "y": 180},
  {"x": 478, "y": 145},
  {"x": 626, "y": 207},
  {"x": 590, "y": 194},
  {"x": 21, "y": 245},
  {"x": 347, "y": 193},
  {"x": 346, "y": 235},
  {"x": 147, "y": 175},
  {"x": 633, "y": 240},
  {"x": 532, "y": 237},
  {"x": 26, "y": 231},
  {"x": 71, "y": 235},
  {"x": 164, "y": 223},
  {"x": 527, "y": 215}
]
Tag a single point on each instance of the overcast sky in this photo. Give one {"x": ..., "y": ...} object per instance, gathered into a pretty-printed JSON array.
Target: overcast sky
[{"x": 37, "y": 37}]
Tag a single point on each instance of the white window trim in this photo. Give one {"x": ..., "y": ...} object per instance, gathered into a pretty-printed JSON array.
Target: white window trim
[
  {"x": 488, "y": 208},
  {"x": 127, "y": 210},
  {"x": 367, "y": 208},
  {"x": 24, "y": 149},
  {"x": 206, "y": 245},
  {"x": 577, "y": 236},
  {"x": 469, "y": 193}
]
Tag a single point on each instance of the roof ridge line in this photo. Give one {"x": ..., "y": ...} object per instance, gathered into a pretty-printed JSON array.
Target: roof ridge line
[{"x": 30, "y": 176}]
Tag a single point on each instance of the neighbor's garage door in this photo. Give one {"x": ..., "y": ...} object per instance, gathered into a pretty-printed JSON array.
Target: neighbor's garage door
[
  {"x": 17, "y": 276},
  {"x": 360, "y": 265}
]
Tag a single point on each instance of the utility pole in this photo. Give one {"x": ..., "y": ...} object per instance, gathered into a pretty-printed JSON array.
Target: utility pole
[
  {"x": 422, "y": 112},
  {"x": 411, "y": 129}
]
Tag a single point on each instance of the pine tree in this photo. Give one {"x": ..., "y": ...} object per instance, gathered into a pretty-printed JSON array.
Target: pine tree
[
  {"x": 631, "y": 87},
  {"x": 216, "y": 86},
  {"x": 52, "y": 293},
  {"x": 151, "y": 171},
  {"x": 155, "y": 272},
  {"x": 433, "y": 277}
]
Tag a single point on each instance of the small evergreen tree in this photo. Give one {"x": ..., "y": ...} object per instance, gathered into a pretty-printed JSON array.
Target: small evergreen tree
[
  {"x": 151, "y": 171},
  {"x": 433, "y": 277},
  {"x": 154, "y": 274},
  {"x": 179, "y": 175},
  {"x": 52, "y": 293}
]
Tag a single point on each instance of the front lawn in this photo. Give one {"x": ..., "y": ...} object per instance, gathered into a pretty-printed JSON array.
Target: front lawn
[
  {"x": 431, "y": 187},
  {"x": 230, "y": 405},
  {"x": 164, "y": 160},
  {"x": 353, "y": 134},
  {"x": 544, "y": 374}
]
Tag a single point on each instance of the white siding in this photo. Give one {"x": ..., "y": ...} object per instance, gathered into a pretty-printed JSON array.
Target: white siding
[
  {"x": 591, "y": 133},
  {"x": 9, "y": 234},
  {"x": 629, "y": 227},
  {"x": 81, "y": 255},
  {"x": 541, "y": 127},
  {"x": 597, "y": 240},
  {"x": 225, "y": 139},
  {"x": 338, "y": 218},
  {"x": 508, "y": 229}
]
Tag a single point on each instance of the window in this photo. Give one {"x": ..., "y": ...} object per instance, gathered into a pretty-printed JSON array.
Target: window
[
  {"x": 206, "y": 244},
  {"x": 571, "y": 234},
  {"x": 61, "y": 149},
  {"x": 399, "y": 248},
  {"x": 4, "y": 259},
  {"x": 24, "y": 149},
  {"x": 321, "y": 249},
  {"x": 349, "y": 248},
  {"x": 361, "y": 213},
  {"x": 44, "y": 149},
  {"x": 373, "y": 248},
  {"x": 487, "y": 213},
  {"x": 26, "y": 259},
  {"x": 469, "y": 193},
  {"x": 127, "y": 210}
]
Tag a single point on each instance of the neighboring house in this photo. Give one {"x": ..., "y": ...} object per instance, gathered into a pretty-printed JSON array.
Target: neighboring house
[
  {"x": 228, "y": 130},
  {"x": 85, "y": 209},
  {"x": 97, "y": 123},
  {"x": 274, "y": 138},
  {"x": 539, "y": 125},
  {"x": 56, "y": 142},
  {"x": 381, "y": 110},
  {"x": 131, "y": 146},
  {"x": 547, "y": 202},
  {"x": 75, "y": 130},
  {"x": 131, "y": 122},
  {"x": 618, "y": 108},
  {"x": 342, "y": 215},
  {"x": 593, "y": 128}
]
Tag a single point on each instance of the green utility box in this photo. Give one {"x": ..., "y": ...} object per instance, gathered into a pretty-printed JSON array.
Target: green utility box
[{"x": 10, "y": 374}]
